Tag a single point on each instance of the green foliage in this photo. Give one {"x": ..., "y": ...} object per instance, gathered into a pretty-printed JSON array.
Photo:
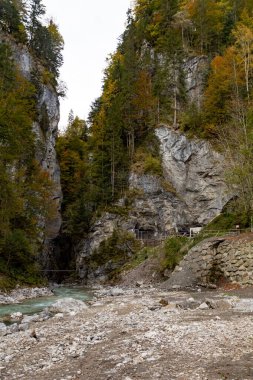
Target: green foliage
[
  {"x": 47, "y": 44},
  {"x": 25, "y": 189},
  {"x": 6, "y": 283},
  {"x": 229, "y": 218},
  {"x": 22, "y": 20},
  {"x": 17, "y": 250},
  {"x": 79, "y": 192},
  {"x": 146, "y": 163},
  {"x": 117, "y": 249},
  {"x": 174, "y": 250},
  {"x": 192, "y": 121},
  {"x": 12, "y": 17},
  {"x": 140, "y": 256}
]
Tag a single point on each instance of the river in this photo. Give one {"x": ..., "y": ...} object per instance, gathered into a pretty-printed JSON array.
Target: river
[{"x": 36, "y": 305}]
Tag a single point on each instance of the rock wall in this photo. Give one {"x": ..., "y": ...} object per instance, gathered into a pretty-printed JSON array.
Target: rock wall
[
  {"x": 45, "y": 129},
  {"x": 192, "y": 192},
  {"x": 230, "y": 258},
  {"x": 195, "y": 69},
  {"x": 153, "y": 212},
  {"x": 196, "y": 172}
]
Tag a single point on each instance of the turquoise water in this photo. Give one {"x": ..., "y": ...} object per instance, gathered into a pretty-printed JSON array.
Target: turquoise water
[{"x": 36, "y": 305}]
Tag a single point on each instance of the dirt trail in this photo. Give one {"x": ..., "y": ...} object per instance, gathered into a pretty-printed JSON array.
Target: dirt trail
[{"x": 139, "y": 333}]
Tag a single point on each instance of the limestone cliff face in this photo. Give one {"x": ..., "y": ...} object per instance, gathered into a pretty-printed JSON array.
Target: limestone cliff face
[
  {"x": 196, "y": 172},
  {"x": 195, "y": 69},
  {"x": 45, "y": 129},
  {"x": 192, "y": 192},
  {"x": 153, "y": 212}
]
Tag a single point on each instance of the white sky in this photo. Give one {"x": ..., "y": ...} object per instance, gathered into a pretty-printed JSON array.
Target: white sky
[{"x": 90, "y": 29}]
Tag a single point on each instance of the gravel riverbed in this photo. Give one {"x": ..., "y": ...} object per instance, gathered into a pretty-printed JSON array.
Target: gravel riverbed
[
  {"x": 20, "y": 294},
  {"x": 137, "y": 333}
]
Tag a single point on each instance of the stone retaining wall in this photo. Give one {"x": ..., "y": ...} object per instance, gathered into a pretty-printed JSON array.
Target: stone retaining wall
[{"x": 213, "y": 258}]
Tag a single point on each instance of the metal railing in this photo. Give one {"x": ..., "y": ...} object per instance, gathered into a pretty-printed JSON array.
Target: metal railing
[{"x": 153, "y": 238}]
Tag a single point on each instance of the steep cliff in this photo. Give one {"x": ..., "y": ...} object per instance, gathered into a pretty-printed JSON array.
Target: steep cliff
[
  {"x": 191, "y": 192},
  {"x": 196, "y": 172},
  {"x": 35, "y": 219},
  {"x": 45, "y": 129}
]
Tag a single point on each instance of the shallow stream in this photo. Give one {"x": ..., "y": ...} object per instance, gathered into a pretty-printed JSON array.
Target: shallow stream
[{"x": 36, "y": 305}]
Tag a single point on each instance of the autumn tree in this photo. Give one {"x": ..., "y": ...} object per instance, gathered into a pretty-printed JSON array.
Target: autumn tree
[{"x": 25, "y": 189}]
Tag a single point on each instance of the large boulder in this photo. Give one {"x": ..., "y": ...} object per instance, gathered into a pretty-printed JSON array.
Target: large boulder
[{"x": 68, "y": 305}]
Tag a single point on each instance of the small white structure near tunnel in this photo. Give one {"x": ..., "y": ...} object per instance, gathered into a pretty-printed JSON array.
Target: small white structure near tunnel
[{"x": 195, "y": 231}]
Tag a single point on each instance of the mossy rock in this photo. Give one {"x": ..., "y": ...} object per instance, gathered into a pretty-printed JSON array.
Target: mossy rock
[{"x": 118, "y": 248}]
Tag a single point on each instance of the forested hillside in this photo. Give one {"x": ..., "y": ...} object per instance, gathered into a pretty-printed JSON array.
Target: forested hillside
[
  {"x": 26, "y": 189},
  {"x": 145, "y": 85},
  {"x": 183, "y": 65}
]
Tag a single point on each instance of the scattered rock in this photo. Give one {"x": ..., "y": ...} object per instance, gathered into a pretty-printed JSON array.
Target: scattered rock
[
  {"x": 3, "y": 329},
  {"x": 68, "y": 305},
  {"x": 221, "y": 304},
  {"x": 110, "y": 341},
  {"x": 203, "y": 306},
  {"x": 20, "y": 294},
  {"x": 33, "y": 334},
  {"x": 116, "y": 292},
  {"x": 30, "y": 318},
  {"x": 16, "y": 316},
  {"x": 23, "y": 327},
  {"x": 155, "y": 307},
  {"x": 13, "y": 328}
]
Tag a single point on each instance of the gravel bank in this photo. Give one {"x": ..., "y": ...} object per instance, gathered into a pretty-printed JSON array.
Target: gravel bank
[
  {"x": 137, "y": 333},
  {"x": 21, "y": 294}
]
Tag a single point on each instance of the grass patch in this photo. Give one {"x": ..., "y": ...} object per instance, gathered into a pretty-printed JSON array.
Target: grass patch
[
  {"x": 146, "y": 163},
  {"x": 118, "y": 248},
  {"x": 141, "y": 256},
  {"x": 228, "y": 220},
  {"x": 117, "y": 210},
  {"x": 174, "y": 249}
]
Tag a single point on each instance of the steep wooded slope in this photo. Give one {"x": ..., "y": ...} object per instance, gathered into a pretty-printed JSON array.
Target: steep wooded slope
[{"x": 30, "y": 192}]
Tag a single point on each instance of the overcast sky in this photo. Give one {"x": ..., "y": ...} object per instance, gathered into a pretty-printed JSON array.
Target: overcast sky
[{"x": 90, "y": 29}]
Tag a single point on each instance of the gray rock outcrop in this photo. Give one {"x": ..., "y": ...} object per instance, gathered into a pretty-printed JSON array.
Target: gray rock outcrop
[
  {"x": 191, "y": 192},
  {"x": 196, "y": 172},
  {"x": 195, "y": 69}
]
